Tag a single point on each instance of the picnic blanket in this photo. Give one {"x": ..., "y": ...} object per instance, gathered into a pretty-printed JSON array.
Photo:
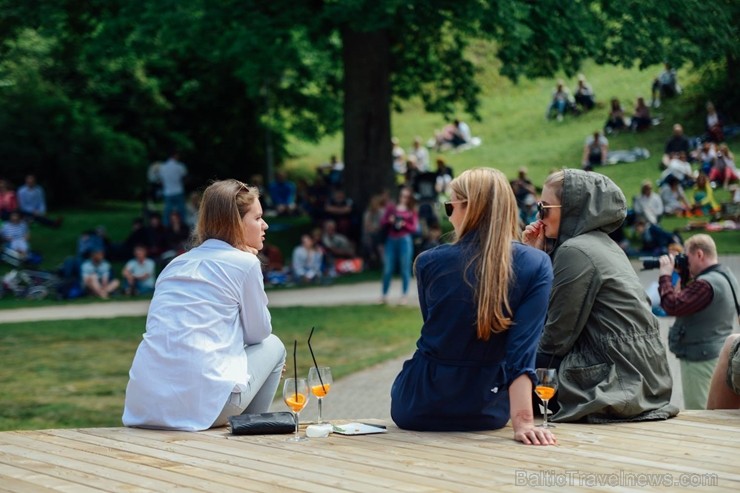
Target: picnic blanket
[
  {"x": 473, "y": 143},
  {"x": 627, "y": 155}
]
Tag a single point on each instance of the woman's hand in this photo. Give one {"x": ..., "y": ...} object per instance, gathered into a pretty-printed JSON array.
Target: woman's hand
[
  {"x": 534, "y": 235},
  {"x": 522, "y": 419},
  {"x": 532, "y": 435}
]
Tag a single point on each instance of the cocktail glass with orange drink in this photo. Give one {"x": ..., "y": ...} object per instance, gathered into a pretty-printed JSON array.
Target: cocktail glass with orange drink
[
  {"x": 547, "y": 384},
  {"x": 295, "y": 396},
  {"x": 320, "y": 380}
]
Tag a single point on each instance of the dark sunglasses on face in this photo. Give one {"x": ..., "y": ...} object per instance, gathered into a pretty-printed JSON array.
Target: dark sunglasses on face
[
  {"x": 542, "y": 209},
  {"x": 448, "y": 206}
]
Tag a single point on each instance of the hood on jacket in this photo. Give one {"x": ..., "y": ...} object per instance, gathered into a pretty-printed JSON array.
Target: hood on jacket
[{"x": 590, "y": 202}]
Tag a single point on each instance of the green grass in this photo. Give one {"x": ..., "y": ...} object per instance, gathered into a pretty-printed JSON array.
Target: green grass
[{"x": 74, "y": 373}]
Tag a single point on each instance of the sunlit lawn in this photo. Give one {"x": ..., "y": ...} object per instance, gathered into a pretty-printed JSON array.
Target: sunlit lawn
[{"x": 74, "y": 373}]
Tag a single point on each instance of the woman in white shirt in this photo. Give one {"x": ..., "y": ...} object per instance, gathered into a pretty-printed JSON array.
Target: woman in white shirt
[{"x": 208, "y": 352}]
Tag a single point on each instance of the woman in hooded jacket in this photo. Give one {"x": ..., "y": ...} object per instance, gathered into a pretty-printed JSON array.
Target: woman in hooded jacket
[{"x": 600, "y": 332}]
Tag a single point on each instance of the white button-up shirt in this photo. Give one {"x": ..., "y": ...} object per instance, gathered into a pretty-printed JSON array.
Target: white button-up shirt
[{"x": 208, "y": 303}]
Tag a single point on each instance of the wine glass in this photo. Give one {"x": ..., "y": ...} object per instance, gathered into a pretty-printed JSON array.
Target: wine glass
[
  {"x": 295, "y": 395},
  {"x": 320, "y": 380},
  {"x": 545, "y": 389}
]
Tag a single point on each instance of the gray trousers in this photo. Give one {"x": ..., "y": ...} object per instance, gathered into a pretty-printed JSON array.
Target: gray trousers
[{"x": 266, "y": 361}]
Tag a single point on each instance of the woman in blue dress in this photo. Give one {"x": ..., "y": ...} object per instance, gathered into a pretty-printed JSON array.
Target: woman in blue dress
[{"x": 483, "y": 301}]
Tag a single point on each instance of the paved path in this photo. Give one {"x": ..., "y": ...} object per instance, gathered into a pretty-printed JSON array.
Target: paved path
[
  {"x": 364, "y": 394},
  {"x": 344, "y": 294}
]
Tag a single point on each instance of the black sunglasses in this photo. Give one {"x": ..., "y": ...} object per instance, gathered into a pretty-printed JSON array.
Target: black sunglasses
[
  {"x": 448, "y": 206},
  {"x": 542, "y": 209}
]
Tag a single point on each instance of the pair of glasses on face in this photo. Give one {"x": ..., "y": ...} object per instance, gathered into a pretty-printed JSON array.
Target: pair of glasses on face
[
  {"x": 542, "y": 209},
  {"x": 448, "y": 206}
]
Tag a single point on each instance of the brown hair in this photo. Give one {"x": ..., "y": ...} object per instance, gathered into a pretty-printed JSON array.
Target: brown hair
[
  {"x": 222, "y": 208},
  {"x": 493, "y": 213}
]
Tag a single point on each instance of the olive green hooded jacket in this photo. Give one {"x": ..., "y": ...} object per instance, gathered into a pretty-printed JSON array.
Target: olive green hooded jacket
[{"x": 614, "y": 365}]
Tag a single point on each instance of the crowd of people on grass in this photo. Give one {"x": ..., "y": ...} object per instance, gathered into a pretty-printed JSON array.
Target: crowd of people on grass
[
  {"x": 583, "y": 99},
  {"x": 692, "y": 168}
]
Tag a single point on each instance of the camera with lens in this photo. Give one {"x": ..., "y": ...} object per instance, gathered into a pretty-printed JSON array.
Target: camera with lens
[{"x": 680, "y": 262}]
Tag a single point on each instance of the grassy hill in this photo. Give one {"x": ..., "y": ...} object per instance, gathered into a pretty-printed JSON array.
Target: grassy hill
[{"x": 515, "y": 133}]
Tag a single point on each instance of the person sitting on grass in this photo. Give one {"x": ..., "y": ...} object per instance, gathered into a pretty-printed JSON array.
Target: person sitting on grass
[
  {"x": 641, "y": 119},
  {"x": 8, "y": 200},
  {"x": 307, "y": 261},
  {"x": 15, "y": 234},
  {"x": 679, "y": 168},
  {"x": 723, "y": 171},
  {"x": 677, "y": 145},
  {"x": 96, "y": 276},
  {"x": 702, "y": 198},
  {"x": 648, "y": 204},
  {"x": 139, "y": 273},
  {"x": 560, "y": 101},
  {"x": 32, "y": 203},
  {"x": 595, "y": 151},
  {"x": 674, "y": 198},
  {"x": 584, "y": 95},
  {"x": 283, "y": 194},
  {"x": 615, "y": 121},
  {"x": 665, "y": 85}
]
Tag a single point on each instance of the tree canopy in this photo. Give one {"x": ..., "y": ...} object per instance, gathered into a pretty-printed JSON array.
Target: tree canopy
[{"x": 93, "y": 90}]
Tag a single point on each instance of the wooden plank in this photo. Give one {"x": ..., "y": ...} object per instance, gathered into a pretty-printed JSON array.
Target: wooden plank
[
  {"x": 487, "y": 476},
  {"x": 547, "y": 458},
  {"x": 11, "y": 481},
  {"x": 304, "y": 458},
  {"x": 526, "y": 450},
  {"x": 573, "y": 436},
  {"x": 55, "y": 476},
  {"x": 589, "y": 458},
  {"x": 115, "y": 477},
  {"x": 172, "y": 462},
  {"x": 249, "y": 463}
]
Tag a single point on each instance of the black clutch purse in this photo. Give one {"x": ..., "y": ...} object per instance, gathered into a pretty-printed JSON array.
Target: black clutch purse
[{"x": 262, "y": 424}]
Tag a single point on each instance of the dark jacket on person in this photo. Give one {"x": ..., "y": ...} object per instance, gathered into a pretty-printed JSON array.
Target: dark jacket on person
[{"x": 614, "y": 366}]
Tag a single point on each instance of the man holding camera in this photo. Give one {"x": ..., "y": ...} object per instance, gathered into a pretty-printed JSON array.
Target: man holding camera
[{"x": 705, "y": 312}]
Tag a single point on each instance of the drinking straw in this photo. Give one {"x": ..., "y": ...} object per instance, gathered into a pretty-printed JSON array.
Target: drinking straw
[
  {"x": 295, "y": 369},
  {"x": 314, "y": 360}
]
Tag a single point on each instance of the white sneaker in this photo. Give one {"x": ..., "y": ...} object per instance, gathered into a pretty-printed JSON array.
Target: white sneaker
[{"x": 560, "y": 117}]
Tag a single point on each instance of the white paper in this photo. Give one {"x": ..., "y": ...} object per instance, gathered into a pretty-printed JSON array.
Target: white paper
[{"x": 357, "y": 429}]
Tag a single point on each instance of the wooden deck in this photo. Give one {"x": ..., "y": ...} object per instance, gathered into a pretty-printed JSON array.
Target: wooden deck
[{"x": 696, "y": 451}]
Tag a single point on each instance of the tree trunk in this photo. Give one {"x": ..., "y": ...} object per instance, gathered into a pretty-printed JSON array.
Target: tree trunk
[{"x": 367, "y": 119}]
